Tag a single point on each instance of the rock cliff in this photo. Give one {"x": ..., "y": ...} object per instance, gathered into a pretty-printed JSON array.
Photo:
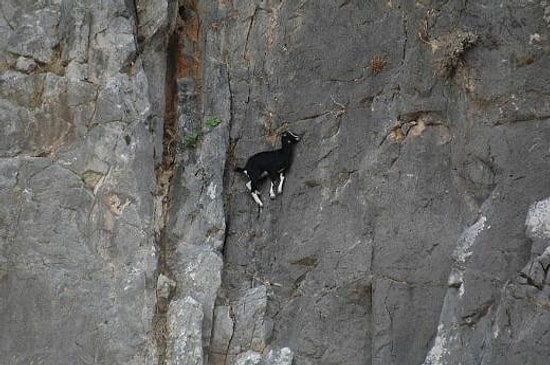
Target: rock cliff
[{"x": 414, "y": 226}]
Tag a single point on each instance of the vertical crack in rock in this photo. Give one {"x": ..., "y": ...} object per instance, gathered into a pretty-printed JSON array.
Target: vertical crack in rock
[
  {"x": 192, "y": 228},
  {"x": 405, "y": 38},
  {"x": 175, "y": 67},
  {"x": 138, "y": 38},
  {"x": 248, "y": 32},
  {"x": 246, "y": 55},
  {"x": 369, "y": 244}
]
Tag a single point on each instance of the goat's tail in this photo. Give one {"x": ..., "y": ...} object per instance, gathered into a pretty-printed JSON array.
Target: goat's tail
[{"x": 239, "y": 169}]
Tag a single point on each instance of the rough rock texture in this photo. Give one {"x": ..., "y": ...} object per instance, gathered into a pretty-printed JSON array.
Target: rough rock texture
[
  {"x": 414, "y": 227},
  {"x": 185, "y": 326},
  {"x": 77, "y": 248},
  {"x": 283, "y": 356},
  {"x": 400, "y": 237}
]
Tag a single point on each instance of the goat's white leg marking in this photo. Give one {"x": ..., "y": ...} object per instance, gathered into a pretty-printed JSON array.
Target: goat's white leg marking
[
  {"x": 293, "y": 135},
  {"x": 272, "y": 191},
  {"x": 257, "y": 199},
  {"x": 249, "y": 185},
  {"x": 281, "y": 180}
]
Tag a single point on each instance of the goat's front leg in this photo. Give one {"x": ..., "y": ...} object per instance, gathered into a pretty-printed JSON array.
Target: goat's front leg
[
  {"x": 252, "y": 186},
  {"x": 271, "y": 190},
  {"x": 281, "y": 180},
  {"x": 256, "y": 197},
  {"x": 273, "y": 179}
]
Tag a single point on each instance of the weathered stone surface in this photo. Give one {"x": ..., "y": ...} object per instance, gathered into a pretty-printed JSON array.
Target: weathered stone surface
[
  {"x": 35, "y": 33},
  {"x": 195, "y": 231},
  {"x": 165, "y": 287},
  {"x": 413, "y": 227},
  {"x": 198, "y": 276},
  {"x": 57, "y": 277},
  {"x": 185, "y": 337},
  {"x": 77, "y": 249},
  {"x": 424, "y": 145},
  {"x": 222, "y": 331},
  {"x": 251, "y": 330},
  {"x": 248, "y": 358},
  {"x": 283, "y": 356}
]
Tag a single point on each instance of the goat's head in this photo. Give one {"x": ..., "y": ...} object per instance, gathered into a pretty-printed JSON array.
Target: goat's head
[{"x": 288, "y": 138}]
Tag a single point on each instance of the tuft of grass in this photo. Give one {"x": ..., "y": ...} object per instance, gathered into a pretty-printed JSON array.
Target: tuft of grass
[
  {"x": 192, "y": 140},
  {"x": 377, "y": 64},
  {"x": 449, "y": 51},
  {"x": 213, "y": 122},
  {"x": 525, "y": 60}
]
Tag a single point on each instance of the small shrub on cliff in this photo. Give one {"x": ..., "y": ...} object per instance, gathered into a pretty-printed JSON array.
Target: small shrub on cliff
[
  {"x": 449, "y": 51},
  {"x": 213, "y": 122},
  {"x": 191, "y": 140},
  {"x": 377, "y": 64}
]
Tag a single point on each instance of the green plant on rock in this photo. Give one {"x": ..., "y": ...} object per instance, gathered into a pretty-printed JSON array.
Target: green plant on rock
[
  {"x": 192, "y": 140},
  {"x": 449, "y": 51},
  {"x": 213, "y": 122}
]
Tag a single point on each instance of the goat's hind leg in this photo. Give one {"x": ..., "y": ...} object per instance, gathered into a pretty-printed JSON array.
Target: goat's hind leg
[
  {"x": 273, "y": 180},
  {"x": 271, "y": 191},
  {"x": 281, "y": 180},
  {"x": 255, "y": 193},
  {"x": 256, "y": 196},
  {"x": 249, "y": 183}
]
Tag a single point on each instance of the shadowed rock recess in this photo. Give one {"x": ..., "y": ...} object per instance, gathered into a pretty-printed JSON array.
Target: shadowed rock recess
[{"x": 414, "y": 226}]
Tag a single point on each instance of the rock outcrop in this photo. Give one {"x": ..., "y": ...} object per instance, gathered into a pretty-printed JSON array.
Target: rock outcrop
[
  {"x": 401, "y": 235},
  {"x": 77, "y": 247},
  {"x": 414, "y": 226}
]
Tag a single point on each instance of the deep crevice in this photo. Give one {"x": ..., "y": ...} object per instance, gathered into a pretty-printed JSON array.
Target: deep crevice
[
  {"x": 182, "y": 61},
  {"x": 165, "y": 174}
]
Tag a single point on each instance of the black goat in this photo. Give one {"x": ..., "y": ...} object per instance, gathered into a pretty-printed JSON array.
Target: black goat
[{"x": 269, "y": 163}]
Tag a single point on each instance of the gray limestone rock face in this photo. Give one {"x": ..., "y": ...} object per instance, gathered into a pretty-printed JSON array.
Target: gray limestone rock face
[
  {"x": 283, "y": 356},
  {"x": 250, "y": 330},
  {"x": 414, "y": 223},
  {"x": 400, "y": 236},
  {"x": 185, "y": 326},
  {"x": 222, "y": 332},
  {"x": 78, "y": 258}
]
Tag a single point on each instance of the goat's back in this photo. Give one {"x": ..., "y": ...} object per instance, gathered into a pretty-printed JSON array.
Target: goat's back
[{"x": 270, "y": 161}]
